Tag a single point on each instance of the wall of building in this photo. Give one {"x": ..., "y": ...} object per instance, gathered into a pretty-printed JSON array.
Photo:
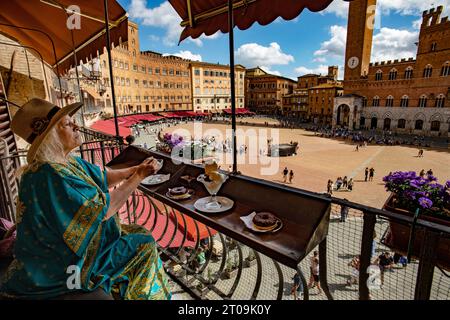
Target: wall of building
[{"x": 211, "y": 85}]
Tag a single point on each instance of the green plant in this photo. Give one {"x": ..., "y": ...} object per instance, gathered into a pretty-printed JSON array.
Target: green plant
[{"x": 251, "y": 255}]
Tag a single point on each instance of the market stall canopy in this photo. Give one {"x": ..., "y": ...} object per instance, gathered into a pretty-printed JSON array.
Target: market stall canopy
[
  {"x": 210, "y": 16},
  {"x": 42, "y": 20}
]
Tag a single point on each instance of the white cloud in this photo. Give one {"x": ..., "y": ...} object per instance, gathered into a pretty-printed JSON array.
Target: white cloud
[
  {"x": 321, "y": 69},
  {"x": 185, "y": 55},
  {"x": 154, "y": 38},
  {"x": 403, "y": 7},
  {"x": 411, "y": 7},
  {"x": 391, "y": 44},
  {"x": 388, "y": 44},
  {"x": 339, "y": 8},
  {"x": 164, "y": 17},
  {"x": 253, "y": 54},
  {"x": 335, "y": 47},
  {"x": 266, "y": 69}
]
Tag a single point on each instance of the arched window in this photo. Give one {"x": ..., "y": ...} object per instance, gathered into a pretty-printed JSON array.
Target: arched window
[
  {"x": 379, "y": 75},
  {"x": 433, "y": 46},
  {"x": 408, "y": 73},
  {"x": 440, "y": 101},
  {"x": 423, "y": 101},
  {"x": 376, "y": 101},
  {"x": 401, "y": 124},
  {"x": 404, "y": 102},
  {"x": 364, "y": 102},
  {"x": 393, "y": 74},
  {"x": 435, "y": 125},
  {"x": 418, "y": 125},
  {"x": 428, "y": 71},
  {"x": 390, "y": 101},
  {"x": 445, "y": 71}
]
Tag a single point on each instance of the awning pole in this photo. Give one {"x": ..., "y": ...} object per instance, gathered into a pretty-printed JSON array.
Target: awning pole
[
  {"x": 233, "y": 93},
  {"x": 111, "y": 77}
]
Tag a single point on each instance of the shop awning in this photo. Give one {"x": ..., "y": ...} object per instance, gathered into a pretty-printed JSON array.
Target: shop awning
[
  {"x": 107, "y": 126},
  {"x": 210, "y": 16},
  {"x": 238, "y": 111},
  {"x": 44, "y": 21}
]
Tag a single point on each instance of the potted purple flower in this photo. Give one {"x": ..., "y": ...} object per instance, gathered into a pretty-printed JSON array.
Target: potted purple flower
[{"x": 411, "y": 193}]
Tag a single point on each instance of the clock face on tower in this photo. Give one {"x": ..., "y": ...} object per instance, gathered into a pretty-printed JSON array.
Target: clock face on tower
[{"x": 353, "y": 62}]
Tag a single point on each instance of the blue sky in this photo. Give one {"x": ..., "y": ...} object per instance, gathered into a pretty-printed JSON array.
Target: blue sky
[{"x": 306, "y": 44}]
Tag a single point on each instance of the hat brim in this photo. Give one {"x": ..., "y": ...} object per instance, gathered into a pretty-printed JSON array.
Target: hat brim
[{"x": 67, "y": 110}]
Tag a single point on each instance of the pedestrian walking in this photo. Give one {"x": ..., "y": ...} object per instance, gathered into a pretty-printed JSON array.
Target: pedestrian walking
[
  {"x": 429, "y": 172},
  {"x": 291, "y": 176},
  {"x": 350, "y": 184},
  {"x": 344, "y": 212},
  {"x": 297, "y": 288},
  {"x": 285, "y": 173},
  {"x": 330, "y": 187},
  {"x": 422, "y": 173},
  {"x": 345, "y": 182},
  {"x": 371, "y": 174},
  {"x": 357, "y": 148},
  {"x": 314, "y": 268},
  {"x": 354, "y": 264},
  {"x": 366, "y": 174}
]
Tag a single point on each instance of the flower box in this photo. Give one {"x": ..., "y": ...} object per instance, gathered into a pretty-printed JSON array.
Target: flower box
[{"x": 397, "y": 237}]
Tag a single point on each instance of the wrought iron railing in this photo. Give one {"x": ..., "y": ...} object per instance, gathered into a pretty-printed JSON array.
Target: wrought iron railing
[{"x": 233, "y": 270}]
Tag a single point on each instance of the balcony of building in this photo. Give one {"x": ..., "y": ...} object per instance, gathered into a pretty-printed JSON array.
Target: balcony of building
[{"x": 242, "y": 265}]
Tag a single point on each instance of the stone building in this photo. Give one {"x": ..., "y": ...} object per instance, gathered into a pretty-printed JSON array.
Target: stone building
[
  {"x": 313, "y": 99},
  {"x": 264, "y": 92},
  {"x": 211, "y": 86},
  {"x": 144, "y": 81},
  {"x": 405, "y": 95}
]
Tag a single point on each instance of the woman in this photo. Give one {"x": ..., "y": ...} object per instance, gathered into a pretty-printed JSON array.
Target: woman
[{"x": 68, "y": 233}]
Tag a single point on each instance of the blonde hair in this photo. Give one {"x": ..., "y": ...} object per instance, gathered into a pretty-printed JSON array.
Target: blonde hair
[{"x": 51, "y": 150}]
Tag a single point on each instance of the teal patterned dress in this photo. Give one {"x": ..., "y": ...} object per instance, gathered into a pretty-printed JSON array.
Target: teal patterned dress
[{"x": 63, "y": 243}]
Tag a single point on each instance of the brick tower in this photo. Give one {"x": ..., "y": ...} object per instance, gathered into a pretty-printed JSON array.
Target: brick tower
[{"x": 361, "y": 21}]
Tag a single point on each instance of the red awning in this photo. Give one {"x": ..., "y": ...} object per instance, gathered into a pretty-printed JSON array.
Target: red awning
[
  {"x": 108, "y": 127},
  {"x": 49, "y": 22},
  {"x": 210, "y": 16},
  {"x": 170, "y": 115}
]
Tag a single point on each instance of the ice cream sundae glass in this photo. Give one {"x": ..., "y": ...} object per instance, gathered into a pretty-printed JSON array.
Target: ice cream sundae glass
[{"x": 213, "y": 180}]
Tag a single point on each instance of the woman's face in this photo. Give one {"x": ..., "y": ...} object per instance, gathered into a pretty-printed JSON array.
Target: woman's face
[{"x": 69, "y": 133}]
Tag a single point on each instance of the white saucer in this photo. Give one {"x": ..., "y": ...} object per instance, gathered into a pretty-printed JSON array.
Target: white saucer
[
  {"x": 156, "y": 179},
  {"x": 226, "y": 203},
  {"x": 248, "y": 220}
]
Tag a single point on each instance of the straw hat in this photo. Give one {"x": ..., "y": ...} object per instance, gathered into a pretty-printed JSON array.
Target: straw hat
[{"x": 34, "y": 120}]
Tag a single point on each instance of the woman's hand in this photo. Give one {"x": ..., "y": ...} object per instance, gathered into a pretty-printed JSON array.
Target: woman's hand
[{"x": 146, "y": 168}]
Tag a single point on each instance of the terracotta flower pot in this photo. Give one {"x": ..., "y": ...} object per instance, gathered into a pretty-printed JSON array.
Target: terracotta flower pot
[{"x": 397, "y": 237}]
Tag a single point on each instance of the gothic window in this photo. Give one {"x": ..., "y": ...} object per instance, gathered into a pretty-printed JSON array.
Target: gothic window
[
  {"x": 433, "y": 46},
  {"x": 401, "y": 124},
  {"x": 418, "y": 125},
  {"x": 364, "y": 102},
  {"x": 440, "y": 101},
  {"x": 379, "y": 75},
  {"x": 393, "y": 74},
  {"x": 376, "y": 101},
  {"x": 445, "y": 71},
  {"x": 408, "y": 73},
  {"x": 390, "y": 101},
  {"x": 404, "y": 101},
  {"x": 435, "y": 125},
  {"x": 428, "y": 71},
  {"x": 423, "y": 101}
]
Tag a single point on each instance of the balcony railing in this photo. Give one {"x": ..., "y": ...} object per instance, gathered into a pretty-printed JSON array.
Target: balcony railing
[
  {"x": 255, "y": 275},
  {"x": 243, "y": 270}
]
